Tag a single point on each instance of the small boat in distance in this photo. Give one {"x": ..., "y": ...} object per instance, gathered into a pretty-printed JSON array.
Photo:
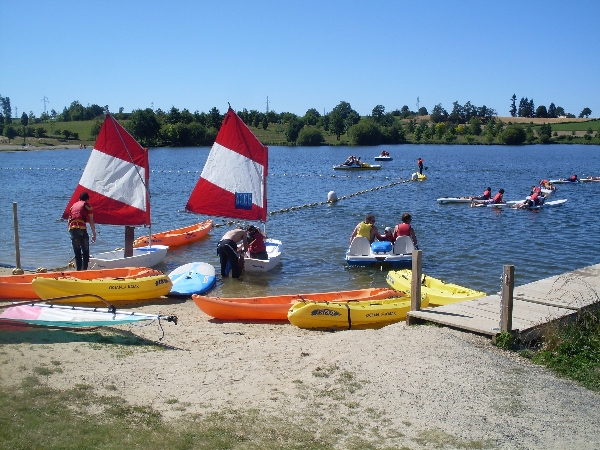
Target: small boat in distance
[
  {"x": 363, "y": 166},
  {"x": 384, "y": 156}
]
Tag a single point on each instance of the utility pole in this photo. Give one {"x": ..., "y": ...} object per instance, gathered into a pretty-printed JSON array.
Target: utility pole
[
  {"x": 267, "y": 104},
  {"x": 45, "y": 100}
]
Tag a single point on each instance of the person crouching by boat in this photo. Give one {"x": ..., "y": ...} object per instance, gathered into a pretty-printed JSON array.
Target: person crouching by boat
[
  {"x": 487, "y": 194},
  {"x": 227, "y": 249},
  {"x": 257, "y": 247},
  {"x": 80, "y": 214},
  {"x": 367, "y": 229},
  {"x": 405, "y": 229}
]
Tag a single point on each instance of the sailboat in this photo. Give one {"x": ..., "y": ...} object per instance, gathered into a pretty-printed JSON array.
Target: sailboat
[
  {"x": 116, "y": 179},
  {"x": 233, "y": 183}
]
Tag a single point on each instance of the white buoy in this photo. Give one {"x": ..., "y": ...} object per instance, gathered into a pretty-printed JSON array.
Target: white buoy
[{"x": 332, "y": 196}]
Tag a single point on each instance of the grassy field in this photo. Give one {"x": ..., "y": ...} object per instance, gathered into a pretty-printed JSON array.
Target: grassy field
[{"x": 275, "y": 134}]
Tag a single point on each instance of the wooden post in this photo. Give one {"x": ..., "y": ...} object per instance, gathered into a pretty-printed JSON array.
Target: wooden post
[
  {"x": 16, "y": 228},
  {"x": 508, "y": 285},
  {"x": 129, "y": 235},
  {"x": 415, "y": 283}
]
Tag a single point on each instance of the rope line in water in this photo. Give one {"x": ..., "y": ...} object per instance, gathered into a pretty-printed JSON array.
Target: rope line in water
[
  {"x": 310, "y": 205},
  {"x": 193, "y": 172}
]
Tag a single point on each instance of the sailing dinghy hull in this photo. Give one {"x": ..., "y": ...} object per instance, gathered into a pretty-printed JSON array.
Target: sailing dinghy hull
[{"x": 142, "y": 256}]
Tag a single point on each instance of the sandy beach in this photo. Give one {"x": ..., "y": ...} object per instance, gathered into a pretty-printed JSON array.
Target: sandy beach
[{"x": 419, "y": 386}]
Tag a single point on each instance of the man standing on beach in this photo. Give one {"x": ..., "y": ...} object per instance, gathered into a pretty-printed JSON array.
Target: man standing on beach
[{"x": 80, "y": 214}]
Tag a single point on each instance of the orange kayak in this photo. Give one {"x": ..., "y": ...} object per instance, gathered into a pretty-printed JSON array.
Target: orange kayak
[
  {"x": 276, "y": 307},
  {"x": 180, "y": 236},
  {"x": 17, "y": 287}
]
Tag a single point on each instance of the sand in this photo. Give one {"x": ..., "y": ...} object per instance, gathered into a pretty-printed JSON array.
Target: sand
[{"x": 417, "y": 386}]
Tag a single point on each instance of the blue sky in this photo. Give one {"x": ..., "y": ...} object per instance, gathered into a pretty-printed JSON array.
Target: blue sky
[{"x": 310, "y": 54}]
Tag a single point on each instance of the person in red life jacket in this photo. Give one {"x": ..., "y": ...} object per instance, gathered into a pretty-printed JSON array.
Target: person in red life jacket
[
  {"x": 229, "y": 256},
  {"x": 80, "y": 213},
  {"x": 498, "y": 198},
  {"x": 405, "y": 229},
  {"x": 257, "y": 247},
  {"x": 420, "y": 164},
  {"x": 535, "y": 199},
  {"x": 573, "y": 178},
  {"x": 536, "y": 189},
  {"x": 367, "y": 229},
  {"x": 487, "y": 194}
]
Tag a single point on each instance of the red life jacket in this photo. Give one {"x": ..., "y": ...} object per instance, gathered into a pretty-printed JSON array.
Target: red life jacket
[
  {"x": 486, "y": 194},
  {"x": 258, "y": 244},
  {"x": 498, "y": 198},
  {"x": 403, "y": 229},
  {"x": 78, "y": 214}
]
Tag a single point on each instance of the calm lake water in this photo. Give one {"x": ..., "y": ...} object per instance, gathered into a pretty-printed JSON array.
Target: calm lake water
[{"x": 464, "y": 245}]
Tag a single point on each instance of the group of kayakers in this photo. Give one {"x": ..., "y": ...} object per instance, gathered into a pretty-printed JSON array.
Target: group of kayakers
[{"x": 368, "y": 230}]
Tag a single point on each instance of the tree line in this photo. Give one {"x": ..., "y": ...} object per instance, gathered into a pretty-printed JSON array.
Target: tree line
[
  {"x": 527, "y": 109},
  {"x": 183, "y": 128}
]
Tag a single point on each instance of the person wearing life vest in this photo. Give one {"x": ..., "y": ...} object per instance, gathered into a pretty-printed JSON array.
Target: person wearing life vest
[
  {"x": 405, "y": 229},
  {"x": 420, "y": 164},
  {"x": 487, "y": 194},
  {"x": 389, "y": 234},
  {"x": 573, "y": 178},
  {"x": 80, "y": 214},
  {"x": 367, "y": 229},
  {"x": 257, "y": 246}
]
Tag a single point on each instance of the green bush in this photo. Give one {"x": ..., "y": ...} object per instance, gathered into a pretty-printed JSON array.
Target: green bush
[{"x": 310, "y": 136}]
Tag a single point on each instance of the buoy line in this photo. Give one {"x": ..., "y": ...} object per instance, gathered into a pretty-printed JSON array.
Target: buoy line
[
  {"x": 310, "y": 205},
  {"x": 194, "y": 172}
]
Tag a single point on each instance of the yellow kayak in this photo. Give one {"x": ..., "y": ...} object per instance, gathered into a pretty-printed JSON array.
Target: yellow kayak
[
  {"x": 349, "y": 315},
  {"x": 437, "y": 292},
  {"x": 111, "y": 289}
]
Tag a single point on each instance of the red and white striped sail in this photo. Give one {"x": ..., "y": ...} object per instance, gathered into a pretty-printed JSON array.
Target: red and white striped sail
[
  {"x": 116, "y": 178},
  {"x": 233, "y": 181}
]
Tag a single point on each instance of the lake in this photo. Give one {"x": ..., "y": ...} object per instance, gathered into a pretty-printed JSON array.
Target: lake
[{"x": 463, "y": 245}]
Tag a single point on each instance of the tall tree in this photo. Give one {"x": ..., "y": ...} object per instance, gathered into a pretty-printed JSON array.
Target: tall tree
[
  {"x": 24, "y": 119},
  {"x": 585, "y": 113},
  {"x": 541, "y": 112},
  {"x": 378, "y": 113},
  {"x": 513, "y": 106},
  {"x": 143, "y": 126},
  {"x": 552, "y": 110}
]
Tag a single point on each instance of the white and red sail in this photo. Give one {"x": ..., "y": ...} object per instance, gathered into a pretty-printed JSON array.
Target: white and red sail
[
  {"x": 116, "y": 178},
  {"x": 233, "y": 181}
]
